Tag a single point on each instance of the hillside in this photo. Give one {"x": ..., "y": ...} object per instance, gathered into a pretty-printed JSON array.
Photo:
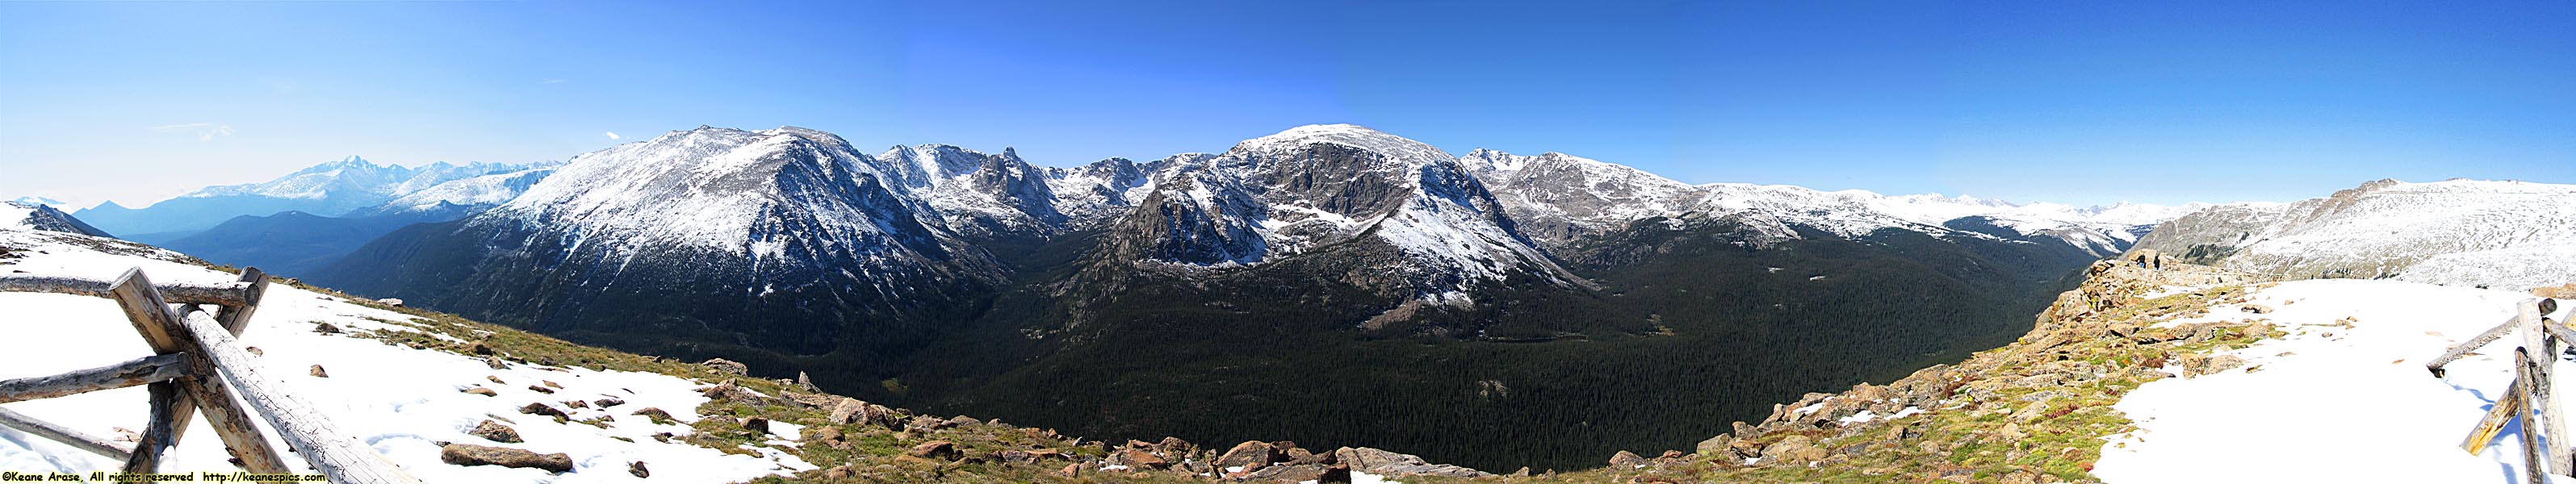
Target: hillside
[
  {"x": 2187, "y": 374},
  {"x": 2469, "y": 233},
  {"x": 411, "y": 382}
]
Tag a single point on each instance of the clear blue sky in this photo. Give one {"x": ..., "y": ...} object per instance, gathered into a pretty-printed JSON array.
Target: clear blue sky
[{"x": 2077, "y": 102}]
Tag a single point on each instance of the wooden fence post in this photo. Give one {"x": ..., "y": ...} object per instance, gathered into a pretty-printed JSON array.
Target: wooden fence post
[
  {"x": 2534, "y": 463},
  {"x": 162, "y": 329}
]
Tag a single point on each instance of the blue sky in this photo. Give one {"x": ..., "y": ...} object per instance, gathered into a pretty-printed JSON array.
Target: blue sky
[{"x": 2075, "y": 102}]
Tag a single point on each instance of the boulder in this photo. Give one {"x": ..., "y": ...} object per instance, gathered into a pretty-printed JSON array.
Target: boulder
[
  {"x": 1303, "y": 456},
  {"x": 936, "y": 450},
  {"x": 540, "y": 389},
  {"x": 653, "y": 414},
  {"x": 2255, "y": 308},
  {"x": 1251, "y": 454},
  {"x": 494, "y": 431},
  {"x": 1792, "y": 449},
  {"x": 476, "y": 455},
  {"x": 318, "y": 373},
  {"x": 1715, "y": 445},
  {"x": 607, "y": 402},
  {"x": 543, "y": 409},
  {"x": 756, "y": 424},
  {"x": 729, "y": 367},
  {"x": 1392, "y": 464},
  {"x": 1287, "y": 473},
  {"x": 1626, "y": 460},
  {"x": 637, "y": 468},
  {"x": 1138, "y": 459},
  {"x": 482, "y": 391}
]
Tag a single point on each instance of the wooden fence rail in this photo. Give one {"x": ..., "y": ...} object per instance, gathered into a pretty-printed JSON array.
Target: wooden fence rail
[
  {"x": 196, "y": 369},
  {"x": 2529, "y": 400}
]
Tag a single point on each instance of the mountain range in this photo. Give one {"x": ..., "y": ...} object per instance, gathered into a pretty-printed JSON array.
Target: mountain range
[
  {"x": 1320, "y": 264},
  {"x": 332, "y": 189}
]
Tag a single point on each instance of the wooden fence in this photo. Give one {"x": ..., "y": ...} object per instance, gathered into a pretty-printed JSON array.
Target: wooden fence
[
  {"x": 2528, "y": 399},
  {"x": 196, "y": 369}
]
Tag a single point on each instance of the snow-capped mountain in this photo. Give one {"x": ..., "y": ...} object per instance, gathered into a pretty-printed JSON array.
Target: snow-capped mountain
[
  {"x": 784, "y": 239},
  {"x": 328, "y": 189},
  {"x": 1095, "y": 194},
  {"x": 2502, "y": 234},
  {"x": 1333, "y": 186},
  {"x": 1560, "y": 198},
  {"x": 29, "y": 216},
  {"x": 1563, "y": 199},
  {"x": 976, "y": 193},
  {"x": 461, "y": 196}
]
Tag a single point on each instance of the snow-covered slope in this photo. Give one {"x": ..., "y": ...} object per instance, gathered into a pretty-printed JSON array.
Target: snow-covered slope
[
  {"x": 1096, "y": 194},
  {"x": 2343, "y": 398},
  {"x": 26, "y": 216},
  {"x": 473, "y": 193},
  {"x": 2502, "y": 234},
  {"x": 1559, "y": 197},
  {"x": 1320, "y": 186},
  {"x": 786, "y": 238},
  {"x": 728, "y": 191},
  {"x": 399, "y": 400},
  {"x": 975, "y": 193}
]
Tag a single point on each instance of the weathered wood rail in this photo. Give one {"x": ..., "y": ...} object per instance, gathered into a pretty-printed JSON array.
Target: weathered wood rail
[
  {"x": 196, "y": 369},
  {"x": 2528, "y": 401}
]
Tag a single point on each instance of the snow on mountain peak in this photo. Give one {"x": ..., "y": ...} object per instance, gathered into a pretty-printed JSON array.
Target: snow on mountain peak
[{"x": 1396, "y": 148}]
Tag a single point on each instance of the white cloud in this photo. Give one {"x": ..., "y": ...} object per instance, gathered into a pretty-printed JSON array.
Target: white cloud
[
  {"x": 205, "y": 131},
  {"x": 613, "y": 135}
]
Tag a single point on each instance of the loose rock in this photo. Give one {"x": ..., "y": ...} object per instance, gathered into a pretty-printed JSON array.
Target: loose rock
[
  {"x": 936, "y": 450},
  {"x": 494, "y": 431},
  {"x": 477, "y": 455},
  {"x": 728, "y": 367},
  {"x": 542, "y": 409}
]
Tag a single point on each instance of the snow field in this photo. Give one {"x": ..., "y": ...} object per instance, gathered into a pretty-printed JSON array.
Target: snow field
[
  {"x": 2334, "y": 402},
  {"x": 399, "y": 400}
]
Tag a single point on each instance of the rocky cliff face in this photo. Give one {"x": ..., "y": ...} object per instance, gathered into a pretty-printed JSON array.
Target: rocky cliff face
[{"x": 2456, "y": 232}]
